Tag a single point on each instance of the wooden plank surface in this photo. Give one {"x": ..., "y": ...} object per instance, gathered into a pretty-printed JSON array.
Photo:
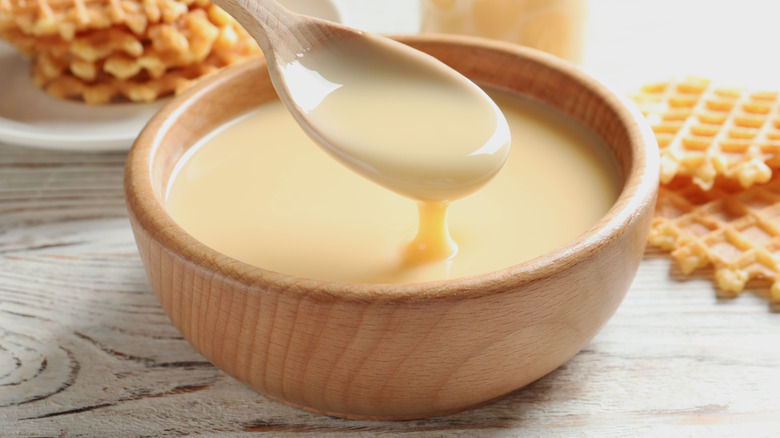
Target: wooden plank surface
[{"x": 85, "y": 349}]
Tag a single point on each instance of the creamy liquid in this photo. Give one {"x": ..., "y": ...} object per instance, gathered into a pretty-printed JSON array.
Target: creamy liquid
[
  {"x": 399, "y": 117},
  {"x": 403, "y": 120},
  {"x": 259, "y": 191}
]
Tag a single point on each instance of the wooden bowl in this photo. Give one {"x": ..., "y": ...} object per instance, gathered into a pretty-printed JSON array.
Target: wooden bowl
[{"x": 395, "y": 351}]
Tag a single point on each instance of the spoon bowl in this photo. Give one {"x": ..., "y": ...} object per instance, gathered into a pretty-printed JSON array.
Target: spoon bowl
[{"x": 351, "y": 91}]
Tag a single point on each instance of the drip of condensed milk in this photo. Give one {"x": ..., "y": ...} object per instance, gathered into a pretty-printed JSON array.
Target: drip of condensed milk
[
  {"x": 283, "y": 205},
  {"x": 432, "y": 242},
  {"x": 393, "y": 114},
  {"x": 426, "y": 133}
]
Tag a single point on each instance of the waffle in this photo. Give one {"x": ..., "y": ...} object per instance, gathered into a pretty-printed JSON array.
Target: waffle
[
  {"x": 707, "y": 132},
  {"x": 91, "y": 51},
  {"x": 732, "y": 228},
  {"x": 68, "y": 17}
]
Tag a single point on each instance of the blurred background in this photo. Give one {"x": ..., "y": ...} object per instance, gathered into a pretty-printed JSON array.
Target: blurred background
[
  {"x": 628, "y": 42},
  {"x": 624, "y": 43}
]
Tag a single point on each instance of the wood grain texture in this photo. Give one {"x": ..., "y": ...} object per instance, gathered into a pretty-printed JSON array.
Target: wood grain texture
[
  {"x": 673, "y": 361},
  {"x": 394, "y": 351}
]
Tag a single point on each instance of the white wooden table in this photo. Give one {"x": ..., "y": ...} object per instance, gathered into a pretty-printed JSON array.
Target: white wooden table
[{"x": 85, "y": 349}]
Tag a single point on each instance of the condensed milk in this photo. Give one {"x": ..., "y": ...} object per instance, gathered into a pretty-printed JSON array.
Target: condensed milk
[
  {"x": 259, "y": 191},
  {"x": 396, "y": 117}
]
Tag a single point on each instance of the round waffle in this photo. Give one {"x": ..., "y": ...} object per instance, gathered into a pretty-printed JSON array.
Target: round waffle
[
  {"x": 65, "y": 18},
  {"x": 104, "y": 51}
]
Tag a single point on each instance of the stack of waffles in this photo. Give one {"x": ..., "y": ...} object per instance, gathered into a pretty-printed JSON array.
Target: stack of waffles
[
  {"x": 103, "y": 51},
  {"x": 719, "y": 201}
]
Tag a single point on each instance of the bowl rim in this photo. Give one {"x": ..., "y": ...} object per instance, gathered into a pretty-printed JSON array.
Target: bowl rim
[{"x": 639, "y": 192}]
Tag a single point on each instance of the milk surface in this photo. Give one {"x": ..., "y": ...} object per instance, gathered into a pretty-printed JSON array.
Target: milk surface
[{"x": 260, "y": 191}]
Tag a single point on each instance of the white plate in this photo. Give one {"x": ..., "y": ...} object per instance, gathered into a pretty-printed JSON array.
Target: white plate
[{"x": 30, "y": 117}]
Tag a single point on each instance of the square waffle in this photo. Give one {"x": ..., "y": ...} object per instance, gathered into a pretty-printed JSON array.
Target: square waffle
[
  {"x": 732, "y": 228},
  {"x": 706, "y": 132}
]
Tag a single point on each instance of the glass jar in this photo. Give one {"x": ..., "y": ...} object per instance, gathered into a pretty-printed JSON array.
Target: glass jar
[{"x": 554, "y": 26}]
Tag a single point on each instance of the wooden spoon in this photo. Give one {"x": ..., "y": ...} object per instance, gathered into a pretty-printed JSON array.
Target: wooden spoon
[{"x": 393, "y": 114}]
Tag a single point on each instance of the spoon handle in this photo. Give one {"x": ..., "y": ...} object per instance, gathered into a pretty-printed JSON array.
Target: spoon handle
[{"x": 281, "y": 34}]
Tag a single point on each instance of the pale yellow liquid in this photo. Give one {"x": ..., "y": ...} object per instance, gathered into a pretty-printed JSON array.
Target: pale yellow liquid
[
  {"x": 389, "y": 114},
  {"x": 259, "y": 191}
]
